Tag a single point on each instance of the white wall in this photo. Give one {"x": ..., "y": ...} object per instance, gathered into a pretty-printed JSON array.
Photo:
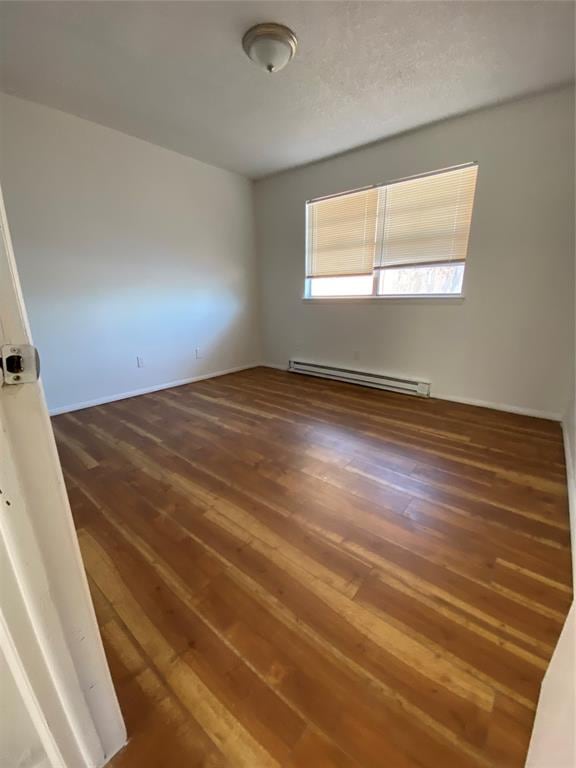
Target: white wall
[
  {"x": 125, "y": 249},
  {"x": 508, "y": 342}
]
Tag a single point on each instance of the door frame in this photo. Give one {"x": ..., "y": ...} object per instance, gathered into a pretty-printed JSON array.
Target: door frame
[{"x": 48, "y": 629}]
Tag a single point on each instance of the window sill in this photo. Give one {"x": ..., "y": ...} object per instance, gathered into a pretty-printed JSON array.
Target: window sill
[{"x": 449, "y": 298}]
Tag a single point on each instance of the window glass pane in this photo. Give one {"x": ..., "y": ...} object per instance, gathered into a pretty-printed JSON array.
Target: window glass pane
[
  {"x": 443, "y": 278},
  {"x": 359, "y": 285}
]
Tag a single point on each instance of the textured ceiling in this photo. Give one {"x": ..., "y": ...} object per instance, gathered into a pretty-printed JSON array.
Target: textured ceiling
[{"x": 174, "y": 73}]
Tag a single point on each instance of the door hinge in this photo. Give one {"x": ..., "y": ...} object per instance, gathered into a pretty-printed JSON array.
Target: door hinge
[{"x": 19, "y": 364}]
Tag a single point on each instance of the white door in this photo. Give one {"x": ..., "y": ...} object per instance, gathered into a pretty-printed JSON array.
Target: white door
[{"x": 50, "y": 647}]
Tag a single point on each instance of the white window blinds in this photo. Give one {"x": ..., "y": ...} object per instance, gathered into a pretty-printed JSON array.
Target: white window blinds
[
  {"x": 427, "y": 220},
  {"x": 422, "y": 220},
  {"x": 342, "y": 234}
]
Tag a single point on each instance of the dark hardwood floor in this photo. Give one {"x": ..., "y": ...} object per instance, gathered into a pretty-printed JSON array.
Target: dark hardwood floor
[{"x": 294, "y": 572}]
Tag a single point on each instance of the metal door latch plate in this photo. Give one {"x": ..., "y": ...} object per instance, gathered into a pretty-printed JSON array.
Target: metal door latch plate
[{"x": 19, "y": 364}]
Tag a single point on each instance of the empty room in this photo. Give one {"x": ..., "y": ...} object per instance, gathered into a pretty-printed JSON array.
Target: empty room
[{"x": 287, "y": 384}]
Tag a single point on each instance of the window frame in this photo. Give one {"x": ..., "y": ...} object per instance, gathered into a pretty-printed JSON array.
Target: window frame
[{"x": 375, "y": 296}]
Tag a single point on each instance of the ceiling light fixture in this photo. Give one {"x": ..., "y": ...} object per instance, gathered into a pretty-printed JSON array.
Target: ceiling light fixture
[{"x": 270, "y": 46}]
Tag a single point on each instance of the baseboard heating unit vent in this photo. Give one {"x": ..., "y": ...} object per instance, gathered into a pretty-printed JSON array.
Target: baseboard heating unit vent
[{"x": 365, "y": 379}]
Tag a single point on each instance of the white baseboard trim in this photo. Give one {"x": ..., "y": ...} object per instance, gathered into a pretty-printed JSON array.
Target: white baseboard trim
[
  {"x": 552, "y": 416},
  {"x": 569, "y": 468},
  {"x": 168, "y": 385},
  {"x": 146, "y": 390},
  {"x": 275, "y": 366},
  {"x": 571, "y": 482}
]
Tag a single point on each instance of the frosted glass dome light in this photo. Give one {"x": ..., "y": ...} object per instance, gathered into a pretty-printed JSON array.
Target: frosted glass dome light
[{"x": 270, "y": 46}]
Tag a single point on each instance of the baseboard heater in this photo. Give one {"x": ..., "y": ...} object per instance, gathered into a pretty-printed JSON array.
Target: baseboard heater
[{"x": 364, "y": 378}]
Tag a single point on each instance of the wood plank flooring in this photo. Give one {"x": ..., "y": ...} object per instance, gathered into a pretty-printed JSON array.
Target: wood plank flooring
[{"x": 290, "y": 572}]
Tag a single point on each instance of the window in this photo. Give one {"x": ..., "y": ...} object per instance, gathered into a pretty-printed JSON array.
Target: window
[{"x": 405, "y": 238}]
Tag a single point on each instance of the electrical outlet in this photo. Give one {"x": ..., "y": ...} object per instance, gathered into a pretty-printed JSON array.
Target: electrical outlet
[
  {"x": 139, "y": 362},
  {"x": 198, "y": 353}
]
